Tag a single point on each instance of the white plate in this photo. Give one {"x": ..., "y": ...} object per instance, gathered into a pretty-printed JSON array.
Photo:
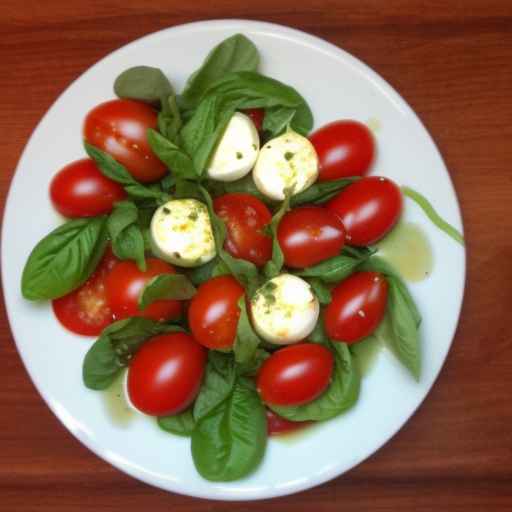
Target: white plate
[{"x": 336, "y": 85}]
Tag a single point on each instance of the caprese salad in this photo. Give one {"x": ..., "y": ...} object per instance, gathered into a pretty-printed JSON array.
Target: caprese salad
[{"x": 224, "y": 256}]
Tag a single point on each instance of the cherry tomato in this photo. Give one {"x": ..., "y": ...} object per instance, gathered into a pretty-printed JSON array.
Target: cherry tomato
[
  {"x": 277, "y": 425},
  {"x": 119, "y": 128},
  {"x": 86, "y": 310},
  {"x": 213, "y": 313},
  {"x": 357, "y": 307},
  {"x": 295, "y": 375},
  {"x": 257, "y": 115},
  {"x": 80, "y": 190},
  {"x": 125, "y": 283},
  {"x": 165, "y": 374},
  {"x": 344, "y": 148},
  {"x": 369, "y": 208},
  {"x": 245, "y": 217},
  {"x": 309, "y": 235}
]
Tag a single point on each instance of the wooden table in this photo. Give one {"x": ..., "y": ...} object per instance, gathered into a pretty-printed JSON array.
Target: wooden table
[{"x": 453, "y": 62}]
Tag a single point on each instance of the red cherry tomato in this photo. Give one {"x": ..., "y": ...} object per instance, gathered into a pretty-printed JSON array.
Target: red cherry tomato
[
  {"x": 295, "y": 375},
  {"x": 344, "y": 148},
  {"x": 213, "y": 313},
  {"x": 80, "y": 190},
  {"x": 309, "y": 235},
  {"x": 257, "y": 115},
  {"x": 125, "y": 283},
  {"x": 277, "y": 425},
  {"x": 165, "y": 374},
  {"x": 369, "y": 208},
  {"x": 357, "y": 307},
  {"x": 119, "y": 127},
  {"x": 86, "y": 310},
  {"x": 245, "y": 217}
]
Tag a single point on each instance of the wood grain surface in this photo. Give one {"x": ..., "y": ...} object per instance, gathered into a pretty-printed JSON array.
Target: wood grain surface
[{"x": 452, "y": 61}]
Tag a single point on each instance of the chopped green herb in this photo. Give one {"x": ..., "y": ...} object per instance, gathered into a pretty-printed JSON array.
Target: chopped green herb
[
  {"x": 288, "y": 155},
  {"x": 193, "y": 216},
  {"x": 177, "y": 255},
  {"x": 166, "y": 210},
  {"x": 254, "y": 147},
  {"x": 239, "y": 155}
]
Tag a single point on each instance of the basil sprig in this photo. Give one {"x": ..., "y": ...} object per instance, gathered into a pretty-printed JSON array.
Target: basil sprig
[{"x": 64, "y": 259}]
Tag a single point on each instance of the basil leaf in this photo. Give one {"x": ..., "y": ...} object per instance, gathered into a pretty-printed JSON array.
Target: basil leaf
[
  {"x": 431, "y": 213},
  {"x": 236, "y": 53},
  {"x": 176, "y": 160},
  {"x": 186, "y": 189},
  {"x": 246, "y": 341},
  {"x": 64, "y": 259},
  {"x": 201, "y": 274},
  {"x": 229, "y": 443},
  {"x": 116, "y": 346},
  {"x": 117, "y": 172},
  {"x": 244, "y": 271},
  {"x": 126, "y": 234},
  {"x": 341, "y": 394},
  {"x": 218, "y": 383},
  {"x": 319, "y": 335},
  {"x": 244, "y": 186},
  {"x": 277, "y": 119},
  {"x": 182, "y": 424},
  {"x": 251, "y": 367},
  {"x": 169, "y": 119},
  {"x": 321, "y": 291},
  {"x": 274, "y": 266},
  {"x": 166, "y": 287},
  {"x": 332, "y": 270},
  {"x": 321, "y": 192},
  {"x": 143, "y": 83}
]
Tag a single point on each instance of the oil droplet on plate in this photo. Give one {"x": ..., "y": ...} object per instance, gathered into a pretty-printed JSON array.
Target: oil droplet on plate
[
  {"x": 116, "y": 406},
  {"x": 373, "y": 124}
]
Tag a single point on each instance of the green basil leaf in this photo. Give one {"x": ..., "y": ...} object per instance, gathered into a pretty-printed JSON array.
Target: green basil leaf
[
  {"x": 332, "y": 270},
  {"x": 218, "y": 383},
  {"x": 319, "y": 335},
  {"x": 321, "y": 192},
  {"x": 169, "y": 119},
  {"x": 117, "y": 172},
  {"x": 166, "y": 287},
  {"x": 244, "y": 271},
  {"x": 251, "y": 367},
  {"x": 242, "y": 186},
  {"x": 431, "y": 213},
  {"x": 203, "y": 273},
  {"x": 126, "y": 234},
  {"x": 236, "y": 53},
  {"x": 273, "y": 267},
  {"x": 143, "y": 83},
  {"x": 115, "y": 347},
  {"x": 182, "y": 424},
  {"x": 176, "y": 160},
  {"x": 229, "y": 443},
  {"x": 277, "y": 119},
  {"x": 246, "y": 341},
  {"x": 321, "y": 291},
  {"x": 341, "y": 394},
  {"x": 64, "y": 259}
]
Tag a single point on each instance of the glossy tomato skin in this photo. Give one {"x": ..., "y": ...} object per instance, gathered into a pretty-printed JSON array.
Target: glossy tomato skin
[
  {"x": 345, "y": 148},
  {"x": 245, "y": 217},
  {"x": 119, "y": 127},
  {"x": 213, "y": 312},
  {"x": 309, "y": 235},
  {"x": 86, "y": 310},
  {"x": 368, "y": 208},
  {"x": 257, "y": 115},
  {"x": 357, "y": 307},
  {"x": 125, "y": 283},
  {"x": 80, "y": 190},
  {"x": 165, "y": 374},
  {"x": 277, "y": 425},
  {"x": 295, "y": 375}
]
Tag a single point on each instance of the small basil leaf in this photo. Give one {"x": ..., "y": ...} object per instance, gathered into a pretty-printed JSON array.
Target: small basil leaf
[
  {"x": 321, "y": 192},
  {"x": 64, "y": 259},
  {"x": 126, "y": 234},
  {"x": 332, "y": 270},
  {"x": 143, "y": 83},
  {"x": 166, "y": 287},
  {"x": 116, "y": 346},
  {"x": 236, "y": 53},
  {"x": 277, "y": 119},
  {"x": 182, "y": 424},
  {"x": 176, "y": 160},
  {"x": 217, "y": 384},
  {"x": 341, "y": 394},
  {"x": 274, "y": 266},
  {"x": 251, "y": 367},
  {"x": 246, "y": 341},
  {"x": 230, "y": 441},
  {"x": 321, "y": 291}
]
